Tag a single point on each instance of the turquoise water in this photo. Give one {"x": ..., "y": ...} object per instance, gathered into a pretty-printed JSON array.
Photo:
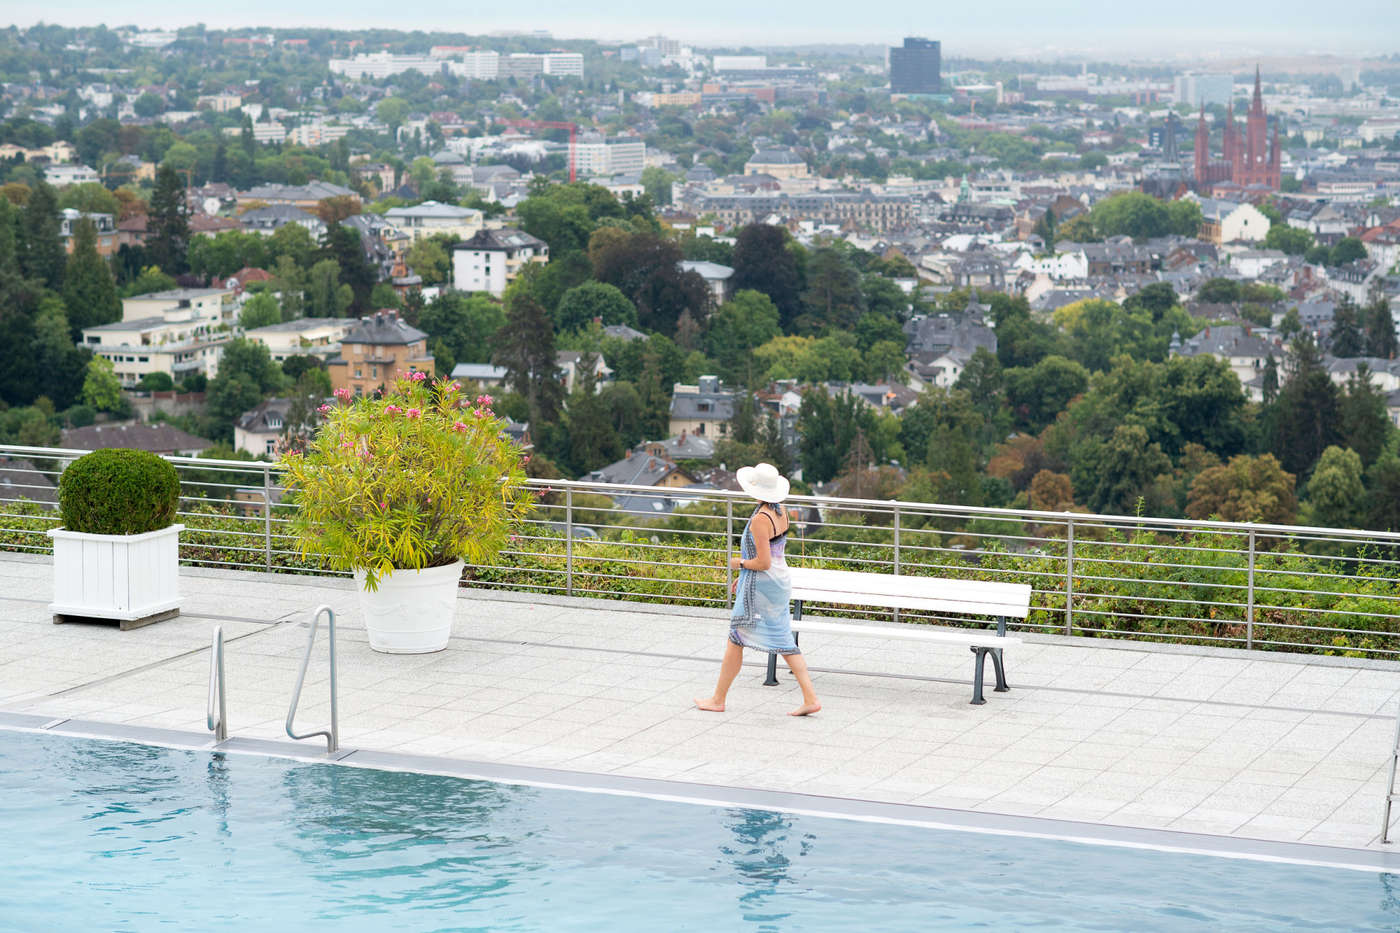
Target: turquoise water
[{"x": 115, "y": 836}]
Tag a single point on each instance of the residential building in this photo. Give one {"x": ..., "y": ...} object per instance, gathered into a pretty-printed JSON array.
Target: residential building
[
  {"x": 379, "y": 349},
  {"x": 683, "y": 446},
  {"x": 718, "y": 278},
  {"x": 259, "y": 431},
  {"x": 740, "y": 62},
  {"x": 571, "y": 370},
  {"x": 61, "y": 176},
  {"x": 265, "y": 221},
  {"x": 1246, "y": 349},
  {"x": 159, "y": 438},
  {"x": 704, "y": 409},
  {"x": 174, "y": 343},
  {"x": 430, "y": 218},
  {"x": 563, "y": 64},
  {"x": 108, "y": 239},
  {"x": 478, "y": 66},
  {"x": 858, "y": 209},
  {"x": 1231, "y": 222},
  {"x": 305, "y": 196},
  {"x": 915, "y": 67},
  {"x": 213, "y": 305},
  {"x": 383, "y": 65},
  {"x": 492, "y": 259},
  {"x": 219, "y": 103},
  {"x": 307, "y": 336},
  {"x": 483, "y": 375},
  {"x": 619, "y": 155},
  {"x": 1204, "y": 90}
]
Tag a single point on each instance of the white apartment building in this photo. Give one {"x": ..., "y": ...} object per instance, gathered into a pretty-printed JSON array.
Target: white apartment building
[
  {"x": 383, "y": 65},
  {"x": 431, "y": 217},
  {"x": 740, "y": 62},
  {"x": 60, "y": 176},
  {"x": 492, "y": 259},
  {"x": 1071, "y": 265},
  {"x": 621, "y": 155},
  {"x": 564, "y": 64},
  {"x": 316, "y": 134},
  {"x": 263, "y": 133},
  {"x": 1199, "y": 90},
  {"x": 478, "y": 66},
  {"x": 179, "y": 332},
  {"x": 308, "y": 336}
]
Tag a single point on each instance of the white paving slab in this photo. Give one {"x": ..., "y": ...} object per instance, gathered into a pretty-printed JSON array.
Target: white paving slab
[{"x": 1205, "y": 740}]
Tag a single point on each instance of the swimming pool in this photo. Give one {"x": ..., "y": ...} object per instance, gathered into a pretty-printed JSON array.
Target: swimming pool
[{"x": 114, "y": 835}]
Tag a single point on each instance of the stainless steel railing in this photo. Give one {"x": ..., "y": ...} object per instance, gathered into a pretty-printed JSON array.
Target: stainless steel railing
[
  {"x": 1199, "y": 582},
  {"x": 216, "y": 710}
]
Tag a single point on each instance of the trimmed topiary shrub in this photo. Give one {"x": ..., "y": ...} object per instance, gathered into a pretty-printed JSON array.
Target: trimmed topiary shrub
[{"x": 118, "y": 492}]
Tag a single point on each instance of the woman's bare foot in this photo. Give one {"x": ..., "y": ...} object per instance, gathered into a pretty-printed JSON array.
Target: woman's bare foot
[
  {"x": 806, "y": 709},
  {"x": 710, "y": 705}
]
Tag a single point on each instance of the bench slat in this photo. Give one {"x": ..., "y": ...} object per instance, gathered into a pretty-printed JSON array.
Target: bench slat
[
  {"x": 912, "y": 632},
  {"x": 935, "y": 594}
]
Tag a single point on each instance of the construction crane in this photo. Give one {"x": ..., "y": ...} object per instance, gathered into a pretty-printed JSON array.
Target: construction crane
[{"x": 553, "y": 125}]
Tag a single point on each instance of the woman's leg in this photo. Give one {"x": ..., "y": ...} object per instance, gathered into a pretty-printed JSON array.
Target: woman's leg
[
  {"x": 728, "y": 670},
  {"x": 798, "y": 665}
]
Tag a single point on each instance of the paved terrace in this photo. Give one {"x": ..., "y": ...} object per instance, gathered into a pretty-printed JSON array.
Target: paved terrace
[{"x": 1210, "y": 741}]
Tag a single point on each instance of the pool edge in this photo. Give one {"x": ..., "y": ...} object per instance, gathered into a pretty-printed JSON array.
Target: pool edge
[{"x": 716, "y": 795}]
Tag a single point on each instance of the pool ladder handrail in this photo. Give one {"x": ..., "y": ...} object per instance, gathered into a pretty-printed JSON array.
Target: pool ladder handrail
[
  {"x": 217, "y": 724},
  {"x": 1390, "y": 786},
  {"x": 333, "y": 733}
]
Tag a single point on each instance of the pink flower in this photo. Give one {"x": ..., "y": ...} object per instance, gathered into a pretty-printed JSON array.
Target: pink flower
[
  {"x": 458, "y": 426},
  {"x": 342, "y": 394},
  {"x": 418, "y": 377},
  {"x": 384, "y": 506},
  {"x": 325, "y": 409},
  {"x": 526, "y": 459},
  {"x": 392, "y": 409},
  {"x": 413, "y": 413},
  {"x": 484, "y": 400},
  {"x": 456, "y": 387}
]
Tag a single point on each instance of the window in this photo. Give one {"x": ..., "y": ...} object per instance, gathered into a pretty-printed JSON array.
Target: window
[
  {"x": 272, "y": 446},
  {"x": 358, "y": 374}
]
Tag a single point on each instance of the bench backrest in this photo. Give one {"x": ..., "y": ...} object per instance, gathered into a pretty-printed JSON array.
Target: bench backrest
[{"x": 933, "y": 594}]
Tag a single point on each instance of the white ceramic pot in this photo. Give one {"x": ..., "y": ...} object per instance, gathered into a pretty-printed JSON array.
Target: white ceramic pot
[
  {"x": 411, "y": 611},
  {"x": 130, "y": 578}
]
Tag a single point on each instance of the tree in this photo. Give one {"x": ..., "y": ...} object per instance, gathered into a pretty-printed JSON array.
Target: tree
[
  {"x": 168, "y": 223},
  {"x": 89, "y": 293},
  {"x": 326, "y": 296},
  {"x": 260, "y": 311},
  {"x": 18, "y": 371},
  {"x": 293, "y": 241},
  {"x": 344, "y": 245},
  {"x": 148, "y": 105},
  {"x": 593, "y": 301},
  {"x": 1365, "y": 425},
  {"x": 1306, "y": 417},
  {"x": 657, "y": 183},
  {"x": 89, "y": 198},
  {"x": 460, "y": 328},
  {"x": 430, "y": 260},
  {"x": 60, "y": 366},
  {"x": 1382, "y": 503},
  {"x": 1291, "y": 240},
  {"x": 646, "y": 268},
  {"x": 833, "y": 297},
  {"x": 739, "y": 326},
  {"x": 1038, "y": 393},
  {"x": 827, "y": 428},
  {"x": 246, "y": 374},
  {"x": 1247, "y": 489},
  {"x": 41, "y": 254},
  {"x": 1380, "y": 329},
  {"x": 150, "y": 280},
  {"x": 1133, "y": 214},
  {"x": 1348, "y": 249},
  {"x": 1051, "y": 492},
  {"x": 392, "y": 111},
  {"x": 593, "y": 442},
  {"x": 525, "y": 347},
  {"x": 1335, "y": 493},
  {"x": 1269, "y": 386},
  {"x": 1183, "y": 218},
  {"x": 765, "y": 261},
  {"x": 1347, "y": 339},
  {"x": 1124, "y": 469},
  {"x": 222, "y": 255},
  {"x": 101, "y": 389}
]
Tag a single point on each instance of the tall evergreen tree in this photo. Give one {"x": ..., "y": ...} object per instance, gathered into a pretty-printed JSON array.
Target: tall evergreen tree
[
  {"x": 169, "y": 224},
  {"x": 1306, "y": 416},
  {"x": 525, "y": 347},
  {"x": 1347, "y": 338},
  {"x": 41, "y": 255},
  {"x": 15, "y": 293},
  {"x": 60, "y": 364},
  {"x": 1380, "y": 329},
  {"x": 89, "y": 292},
  {"x": 343, "y": 244},
  {"x": 1270, "y": 380},
  {"x": 764, "y": 262},
  {"x": 1365, "y": 424}
]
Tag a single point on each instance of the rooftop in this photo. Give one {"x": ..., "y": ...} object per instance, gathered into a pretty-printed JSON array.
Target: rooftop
[{"x": 1110, "y": 734}]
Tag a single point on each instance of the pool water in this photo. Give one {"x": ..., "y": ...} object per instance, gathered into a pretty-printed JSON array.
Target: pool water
[{"x": 118, "y": 836}]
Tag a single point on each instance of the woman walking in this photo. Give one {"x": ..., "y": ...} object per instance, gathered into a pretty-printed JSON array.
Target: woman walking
[{"x": 761, "y": 619}]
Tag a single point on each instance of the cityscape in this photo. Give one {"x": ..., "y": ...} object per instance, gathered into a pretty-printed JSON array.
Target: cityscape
[{"x": 1099, "y": 335}]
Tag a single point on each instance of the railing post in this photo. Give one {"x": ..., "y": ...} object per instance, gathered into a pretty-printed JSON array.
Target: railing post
[
  {"x": 1249, "y": 611},
  {"x": 267, "y": 517},
  {"x": 1069, "y": 573},
  {"x": 569, "y": 541},
  {"x": 728, "y": 542},
  {"x": 896, "y": 550}
]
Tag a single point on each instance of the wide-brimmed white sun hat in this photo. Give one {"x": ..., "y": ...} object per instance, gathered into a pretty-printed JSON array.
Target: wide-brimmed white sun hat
[{"x": 763, "y": 482}]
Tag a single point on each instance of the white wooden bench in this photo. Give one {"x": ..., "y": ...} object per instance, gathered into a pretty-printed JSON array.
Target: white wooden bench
[{"x": 1000, "y": 601}]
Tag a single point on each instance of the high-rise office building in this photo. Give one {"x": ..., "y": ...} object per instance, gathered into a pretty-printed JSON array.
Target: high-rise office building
[{"x": 914, "y": 67}]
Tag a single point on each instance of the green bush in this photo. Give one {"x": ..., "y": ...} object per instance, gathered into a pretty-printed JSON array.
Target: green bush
[{"x": 118, "y": 492}]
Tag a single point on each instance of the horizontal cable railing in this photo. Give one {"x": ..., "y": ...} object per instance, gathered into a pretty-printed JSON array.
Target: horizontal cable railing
[{"x": 1278, "y": 587}]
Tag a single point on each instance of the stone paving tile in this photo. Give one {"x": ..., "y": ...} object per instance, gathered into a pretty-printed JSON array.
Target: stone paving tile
[{"x": 1205, "y": 741}]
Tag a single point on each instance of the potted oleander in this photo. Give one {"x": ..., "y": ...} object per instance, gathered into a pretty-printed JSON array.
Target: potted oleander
[
  {"x": 117, "y": 555},
  {"x": 402, "y": 489}
]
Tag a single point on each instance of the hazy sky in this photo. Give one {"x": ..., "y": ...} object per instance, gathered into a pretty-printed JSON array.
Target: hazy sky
[{"x": 1108, "y": 28}]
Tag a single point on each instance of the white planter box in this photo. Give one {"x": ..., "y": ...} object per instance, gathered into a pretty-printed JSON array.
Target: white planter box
[
  {"x": 412, "y": 610},
  {"x": 122, "y": 577}
]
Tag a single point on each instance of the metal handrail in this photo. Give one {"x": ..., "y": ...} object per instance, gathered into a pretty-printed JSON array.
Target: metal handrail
[
  {"x": 333, "y": 734},
  {"x": 1390, "y": 787},
  {"x": 217, "y": 724}
]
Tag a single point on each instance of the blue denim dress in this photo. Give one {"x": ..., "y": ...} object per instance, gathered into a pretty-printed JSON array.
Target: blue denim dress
[{"x": 762, "y": 617}]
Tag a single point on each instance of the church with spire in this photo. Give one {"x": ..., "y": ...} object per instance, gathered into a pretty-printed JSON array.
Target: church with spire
[{"x": 1249, "y": 159}]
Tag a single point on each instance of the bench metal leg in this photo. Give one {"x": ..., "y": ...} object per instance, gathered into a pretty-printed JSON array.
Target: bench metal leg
[
  {"x": 977, "y": 698},
  {"x": 772, "y": 680},
  {"x": 998, "y": 664}
]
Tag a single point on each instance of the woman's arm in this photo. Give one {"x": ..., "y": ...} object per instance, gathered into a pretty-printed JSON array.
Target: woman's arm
[{"x": 763, "y": 558}]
